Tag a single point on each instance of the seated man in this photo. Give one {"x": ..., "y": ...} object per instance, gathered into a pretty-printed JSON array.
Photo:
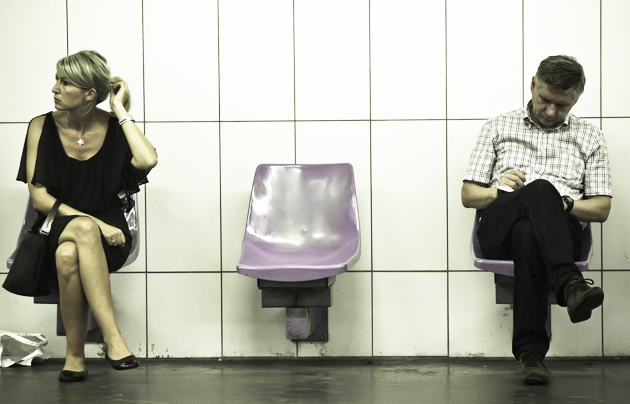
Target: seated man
[{"x": 537, "y": 173}]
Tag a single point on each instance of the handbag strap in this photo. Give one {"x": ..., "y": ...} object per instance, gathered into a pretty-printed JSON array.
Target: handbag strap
[{"x": 49, "y": 219}]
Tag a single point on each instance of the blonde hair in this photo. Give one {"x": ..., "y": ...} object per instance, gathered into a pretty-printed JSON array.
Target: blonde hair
[{"x": 88, "y": 69}]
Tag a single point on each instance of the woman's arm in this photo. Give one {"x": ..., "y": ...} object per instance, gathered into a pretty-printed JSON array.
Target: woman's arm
[
  {"x": 41, "y": 200},
  {"x": 144, "y": 155}
]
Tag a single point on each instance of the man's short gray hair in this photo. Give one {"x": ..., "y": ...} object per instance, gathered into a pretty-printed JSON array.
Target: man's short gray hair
[{"x": 561, "y": 72}]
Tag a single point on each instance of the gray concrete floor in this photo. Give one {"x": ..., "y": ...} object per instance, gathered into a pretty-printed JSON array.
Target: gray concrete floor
[{"x": 421, "y": 380}]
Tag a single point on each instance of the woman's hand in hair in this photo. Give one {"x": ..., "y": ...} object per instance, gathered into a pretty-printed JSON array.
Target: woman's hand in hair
[{"x": 119, "y": 95}]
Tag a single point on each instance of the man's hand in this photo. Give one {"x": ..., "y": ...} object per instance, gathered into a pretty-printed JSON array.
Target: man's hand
[{"x": 513, "y": 179}]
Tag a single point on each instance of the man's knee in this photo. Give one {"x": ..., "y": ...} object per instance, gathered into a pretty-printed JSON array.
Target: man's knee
[
  {"x": 542, "y": 185},
  {"x": 67, "y": 259},
  {"x": 541, "y": 193}
]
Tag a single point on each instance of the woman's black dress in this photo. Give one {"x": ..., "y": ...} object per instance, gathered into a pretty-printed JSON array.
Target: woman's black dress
[{"x": 100, "y": 186}]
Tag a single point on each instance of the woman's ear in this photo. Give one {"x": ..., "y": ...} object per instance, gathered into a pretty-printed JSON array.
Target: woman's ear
[{"x": 90, "y": 94}]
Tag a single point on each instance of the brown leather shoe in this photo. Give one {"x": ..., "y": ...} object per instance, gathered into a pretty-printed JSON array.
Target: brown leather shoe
[
  {"x": 532, "y": 369},
  {"x": 581, "y": 298}
]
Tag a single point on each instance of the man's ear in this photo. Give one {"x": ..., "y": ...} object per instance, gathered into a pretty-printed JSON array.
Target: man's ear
[{"x": 533, "y": 84}]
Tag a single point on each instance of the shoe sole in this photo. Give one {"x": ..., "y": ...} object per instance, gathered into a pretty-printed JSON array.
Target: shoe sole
[
  {"x": 583, "y": 312},
  {"x": 72, "y": 377},
  {"x": 536, "y": 381},
  {"x": 535, "y": 376}
]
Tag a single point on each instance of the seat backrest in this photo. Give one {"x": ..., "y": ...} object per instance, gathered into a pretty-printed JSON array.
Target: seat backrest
[
  {"x": 506, "y": 267},
  {"x": 133, "y": 221},
  {"x": 30, "y": 215},
  {"x": 300, "y": 204},
  {"x": 302, "y": 224}
]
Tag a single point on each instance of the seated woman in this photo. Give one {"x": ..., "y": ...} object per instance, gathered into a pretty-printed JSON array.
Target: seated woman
[{"x": 92, "y": 161}]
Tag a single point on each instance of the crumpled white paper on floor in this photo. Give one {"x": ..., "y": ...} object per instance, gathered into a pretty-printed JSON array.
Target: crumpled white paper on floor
[{"x": 21, "y": 349}]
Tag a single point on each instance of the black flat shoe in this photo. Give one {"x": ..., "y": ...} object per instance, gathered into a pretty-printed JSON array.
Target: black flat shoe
[
  {"x": 68, "y": 376},
  {"x": 128, "y": 362}
]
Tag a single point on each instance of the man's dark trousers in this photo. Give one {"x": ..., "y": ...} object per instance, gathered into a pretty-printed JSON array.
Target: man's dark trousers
[{"x": 530, "y": 227}]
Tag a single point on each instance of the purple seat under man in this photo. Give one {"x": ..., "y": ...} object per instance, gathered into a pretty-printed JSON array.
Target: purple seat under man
[{"x": 504, "y": 269}]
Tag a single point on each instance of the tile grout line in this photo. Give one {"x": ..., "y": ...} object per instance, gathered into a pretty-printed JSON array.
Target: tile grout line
[
  {"x": 369, "y": 5},
  {"x": 146, "y": 233},
  {"x": 448, "y": 308},
  {"x": 222, "y": 348}
]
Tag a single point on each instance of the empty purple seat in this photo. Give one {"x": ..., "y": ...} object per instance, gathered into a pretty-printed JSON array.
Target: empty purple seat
[
  {"x": 302, "y": 230},
  {"x": 303, "y": 223}
]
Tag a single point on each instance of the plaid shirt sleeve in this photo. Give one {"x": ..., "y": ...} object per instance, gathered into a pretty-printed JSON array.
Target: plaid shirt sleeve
[
  {"x": 483, "y": 156},
  {"x": 597, "y": 178}
]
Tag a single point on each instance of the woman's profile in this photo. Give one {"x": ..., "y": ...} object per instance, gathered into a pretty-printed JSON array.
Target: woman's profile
[{"x": 91, "y": 161}]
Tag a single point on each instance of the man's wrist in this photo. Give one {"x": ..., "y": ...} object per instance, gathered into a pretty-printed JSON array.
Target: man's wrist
[{"x": 568, "y": 201}]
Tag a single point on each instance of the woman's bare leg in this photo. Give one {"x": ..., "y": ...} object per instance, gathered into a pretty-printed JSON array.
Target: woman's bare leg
[
  {"x": 74, "y": 306},
  {"x": 85, "y": 234}
]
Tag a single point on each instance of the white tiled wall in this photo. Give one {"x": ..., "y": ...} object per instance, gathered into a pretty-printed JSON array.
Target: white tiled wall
[
  {"x": 256, "y": 60},
  {"x": 398, "y": 88},
  {"x": 409, "y": 207},
  {"x": 484, "y": 53},
  {"x": 544, "y": 37},
  {"x": 332, "y": 59},
  {"x": 89, "y": 26},
  {"x": 181, "y": 60},
  {"x": 408, "y": 64}
]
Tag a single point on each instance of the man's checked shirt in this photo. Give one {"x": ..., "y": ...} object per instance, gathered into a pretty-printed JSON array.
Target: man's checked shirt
[{"x": 572, "y": 156}]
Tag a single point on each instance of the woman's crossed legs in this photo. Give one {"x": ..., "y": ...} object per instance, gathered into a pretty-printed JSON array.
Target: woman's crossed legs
[{"x": 83, "y": 284}]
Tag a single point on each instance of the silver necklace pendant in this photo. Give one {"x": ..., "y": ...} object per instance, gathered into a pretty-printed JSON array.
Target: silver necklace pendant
[{"x": 80, "y": 142}]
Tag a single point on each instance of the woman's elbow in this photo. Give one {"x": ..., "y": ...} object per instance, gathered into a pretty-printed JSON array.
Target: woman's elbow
[
  {"x": 39, "y": 205},
  {"x": 146, "y": 164},
  {"x": 150, "y": 164},
  {"x": 38, "y": 198}
]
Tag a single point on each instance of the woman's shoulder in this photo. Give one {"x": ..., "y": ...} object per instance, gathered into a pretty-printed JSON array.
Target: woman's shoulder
[
  {"x": 40, "y": 119},
  {"x": 36, "y": 125},
  {"x": 105, "y": 119}
]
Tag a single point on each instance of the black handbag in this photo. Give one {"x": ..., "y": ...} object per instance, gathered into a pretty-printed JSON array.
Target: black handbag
[{"x": 28, "y": 275}]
